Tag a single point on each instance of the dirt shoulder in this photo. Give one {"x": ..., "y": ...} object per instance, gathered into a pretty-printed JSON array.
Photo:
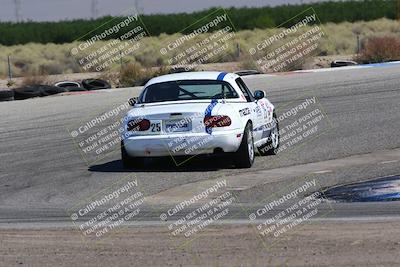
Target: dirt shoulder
[{"x": 356, "y": 243}]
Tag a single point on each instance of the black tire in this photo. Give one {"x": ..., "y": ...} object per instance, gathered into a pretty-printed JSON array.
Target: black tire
[
  {"x": 6, "y": 95},
  {"x": 342, "y": 63},
  {"x": 247, "y": 72},
  {"x": 51, "y": 90},
  {"x": 36, "y": 91},
  {"x": 180, "y": 70},
  {"x": 129, "y": 162},
  {"x": 27, "y": 92},
  {"x": 244, "y": 157},
  {"x": 95, "y": 84},
  {"x": 68, "y": 84},
  {"x": 272, "y": 146}
]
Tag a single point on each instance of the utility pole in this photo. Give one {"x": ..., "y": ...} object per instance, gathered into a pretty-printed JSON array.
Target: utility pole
[
  {"x": 358, "y": 44},
  {"x": 17, "y": 4},
  {"x": 398, "y": 10},
  {"x": 138, "y": 8},
  {"x": 10, "y": 76},
  {"x": 95, "y": 9}
]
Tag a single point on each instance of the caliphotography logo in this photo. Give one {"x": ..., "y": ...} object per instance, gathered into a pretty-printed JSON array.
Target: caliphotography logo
[
  {"x": 291, "y": 44},
  {"x": 288, "y": 210},
  {"x": 110, "y": 43},
  {"x": 108, "y": 210}
]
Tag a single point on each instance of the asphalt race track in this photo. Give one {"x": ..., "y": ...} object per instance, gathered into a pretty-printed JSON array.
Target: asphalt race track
[{"x": 43, "y": 175}]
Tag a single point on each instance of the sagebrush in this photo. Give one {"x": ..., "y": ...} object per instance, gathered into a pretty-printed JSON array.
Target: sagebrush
[
  {"x": 379, "y": 49},
  {"x": 340, "y": 39}
]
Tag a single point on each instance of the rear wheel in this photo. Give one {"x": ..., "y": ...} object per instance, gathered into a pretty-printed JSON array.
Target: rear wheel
[
  {"x": 272, "y": 145},
  {"x": 129, "y": 162},
  {"x": 244, "y": 157}
]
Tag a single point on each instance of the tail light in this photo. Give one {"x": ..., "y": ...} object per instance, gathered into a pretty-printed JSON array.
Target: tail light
[
  {"x": 217, "y": 121},
  {"x": 138, "y": 125}
]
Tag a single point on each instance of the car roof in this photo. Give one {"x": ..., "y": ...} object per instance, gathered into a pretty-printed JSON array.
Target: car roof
[{"x": 198, "y": 75}]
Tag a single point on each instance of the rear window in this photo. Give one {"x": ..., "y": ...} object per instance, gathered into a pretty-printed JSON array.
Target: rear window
[{"x": 187, "y": 90}]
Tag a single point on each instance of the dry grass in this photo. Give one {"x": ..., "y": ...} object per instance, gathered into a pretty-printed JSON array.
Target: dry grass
[
  {"x": 247, "y": 63},
  {"x": 33, "y": 79},
  {"x": 132, "y": 74},
  {"x": 379, "y": 49},
  {"x": 340, "y": 39}
]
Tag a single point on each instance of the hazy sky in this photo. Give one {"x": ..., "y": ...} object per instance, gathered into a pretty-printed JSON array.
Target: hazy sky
[{"x": 50, "y": 10}]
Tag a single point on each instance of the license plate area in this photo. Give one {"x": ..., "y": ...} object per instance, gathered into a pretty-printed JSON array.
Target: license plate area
[{"x": 176, "y": 126}]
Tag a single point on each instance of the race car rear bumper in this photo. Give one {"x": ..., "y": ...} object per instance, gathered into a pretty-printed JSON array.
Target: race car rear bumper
[{"x": 183, "y": 144}]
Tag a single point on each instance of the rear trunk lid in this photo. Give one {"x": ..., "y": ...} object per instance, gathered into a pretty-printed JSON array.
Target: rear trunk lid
[{"x": 175, "y": 117}]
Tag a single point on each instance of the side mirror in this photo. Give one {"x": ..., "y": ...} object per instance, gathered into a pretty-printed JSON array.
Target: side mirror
[
  {"x": 258, "y": 94},
  {"x": 132, "y": 101}
]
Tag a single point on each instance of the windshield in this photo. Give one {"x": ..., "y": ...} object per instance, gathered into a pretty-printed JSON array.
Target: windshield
[{"x": 187, "y": 90}]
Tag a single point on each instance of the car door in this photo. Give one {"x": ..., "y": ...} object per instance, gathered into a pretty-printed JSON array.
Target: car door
[{"x": 257, "y": 110}]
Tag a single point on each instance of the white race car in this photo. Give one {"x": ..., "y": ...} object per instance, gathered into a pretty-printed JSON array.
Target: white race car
[{"x": 192, "y": 113}]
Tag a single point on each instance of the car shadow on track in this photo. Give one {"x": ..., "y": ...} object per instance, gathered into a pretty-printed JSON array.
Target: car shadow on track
[{"x": 197, "y": 164}]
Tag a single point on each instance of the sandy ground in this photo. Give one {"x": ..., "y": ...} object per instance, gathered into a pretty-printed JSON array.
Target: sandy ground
[{"x": 350, "y": 243}]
